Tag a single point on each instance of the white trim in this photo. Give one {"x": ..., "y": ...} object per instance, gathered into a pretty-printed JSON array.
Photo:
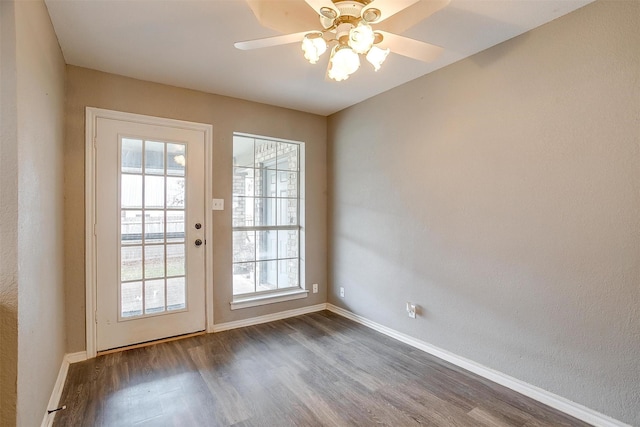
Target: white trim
[
  {"x": 256, "y": 300},
  {"x": 550, "y": 399},
  {"x": 268, "y": 318},
  {"x": 91, "y": 117},
  {"x": 58, "y": 387}
]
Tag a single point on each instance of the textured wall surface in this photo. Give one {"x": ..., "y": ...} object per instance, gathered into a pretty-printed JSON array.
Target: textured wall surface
[
  {"x": 32, "y": 293},
  {"x": 226, "y": 115},
  {"x": 502, "y": 195},
  {"x": 41, "y": 319}
]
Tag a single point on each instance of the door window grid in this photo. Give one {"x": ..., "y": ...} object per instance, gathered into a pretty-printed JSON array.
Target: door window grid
[
  {"x": 152, "y": 255},
  {"x": 266, "y": 226}
]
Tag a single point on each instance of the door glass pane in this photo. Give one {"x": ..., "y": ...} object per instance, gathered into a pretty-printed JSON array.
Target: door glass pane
[
  {"x": 131, "y": 299},
  {"x": 130, "y": 263},
  {"x": 175, "y": 260},
  {"x": 175, "y": 192},
  {"x": 154, "y": 157},
  {"x": 153, "y": 296},
  {"x": 176, "y": 159},
  {"x": 175, "y": 226},
  {"x": 267, "y": 244},
  {"x": 153, "y": 261},
  {"x": 130, "y": 227},
  {"x": 154, "y": 227},
  {"x": 244, "y": 278},
  {"x": 131, "y": 191},
  {"x": 154, "y": 192},
  {"x": 131, "y": 155},
  {"x": 266, "y": 275},
  {"x": 176, "y": 294},
  {"x": 287, "y": 273}
]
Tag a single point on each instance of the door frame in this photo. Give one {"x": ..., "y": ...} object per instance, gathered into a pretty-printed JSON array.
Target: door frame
[{"x": 92, "y": 115}]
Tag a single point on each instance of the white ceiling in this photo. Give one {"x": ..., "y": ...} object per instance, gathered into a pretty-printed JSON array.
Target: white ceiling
[{"x": 190, "y": 44}]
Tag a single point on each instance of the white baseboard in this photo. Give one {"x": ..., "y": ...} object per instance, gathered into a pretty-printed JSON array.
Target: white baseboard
[
  {"x": 56, "y": 393},
  {"x": 268, "y": 318},
  {"x": 557, "y": 402}
]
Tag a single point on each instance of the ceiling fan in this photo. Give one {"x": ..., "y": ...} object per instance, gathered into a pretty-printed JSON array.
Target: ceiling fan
[{"x": 348, "y": 28}]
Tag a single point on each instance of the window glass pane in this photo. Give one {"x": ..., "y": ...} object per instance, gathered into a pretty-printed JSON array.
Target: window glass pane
[
  {"x": 176, "y": 159},
  {"x": 154, "y": 192},
  {"x": 288, "y": 273},
  {"x": 130, "y": 263},
  {"x": 267, "y": 244},
  {"x": 154, "y": 157},
  {"x": 244, "y": 278},
  {"x": 243, "y": 211},
  {"x": 176, "y": 294},
  {"x": 131, "y": 299},
  {"x": 131, "y": 156},
  {"x": 243, "y": 181},
  {"x": 287, "y": 184},
  {"x": 131, "y": 191},
  {"x": 265, "y": 212},
  {"x": 266, "y": 152},
  {"x": 266, "y": 275},
  {"x": 130, "y": 227},
  {"x": 242, "y": 151},
  {"x": 153, "y": 296},
  {"x": 244, "y": 246},
  {"x": 175, "y": 226},
  {"x": 175, "y": 192},
  {"x": 288, "y": 243},
  {"x": 287, "y": 212},
  {"x": 266, "y": 183},
  {"x": 288, "y": 156},
  {"x": 153, "y": 261},
  {"x": 154, "y": 226},
  {"x": 175, "y": 260}
]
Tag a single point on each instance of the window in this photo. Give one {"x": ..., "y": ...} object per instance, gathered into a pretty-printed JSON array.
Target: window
[{"x": 266, "y": 216}]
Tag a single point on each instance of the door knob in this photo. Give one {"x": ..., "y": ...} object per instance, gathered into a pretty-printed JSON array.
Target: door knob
[
  {"x": 198, "y": 242},
  {"x": 198, "y": 226}
]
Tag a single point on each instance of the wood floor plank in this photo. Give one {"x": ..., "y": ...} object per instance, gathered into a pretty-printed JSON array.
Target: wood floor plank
[{"x": 318, "y": 369}]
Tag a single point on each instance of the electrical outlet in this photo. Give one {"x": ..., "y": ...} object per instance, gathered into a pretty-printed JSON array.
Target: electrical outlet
[
  {"x": 411, "y": 310},
  {"x": 315, "y": 288},
  {"x": 341, "y": 292}
]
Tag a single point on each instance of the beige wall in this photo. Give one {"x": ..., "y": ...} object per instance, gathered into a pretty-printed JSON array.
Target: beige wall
[
  {"x": 32, "y": 204},
  {"x": 502, "y": 195},
  {"x": 227, "y": 115}
]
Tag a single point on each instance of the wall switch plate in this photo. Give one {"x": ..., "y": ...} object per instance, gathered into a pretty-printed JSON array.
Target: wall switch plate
[
  {"x": 341, "y": 291},
  {"x": 217, "y": 205},
  {"x": 315, "y": 288},
  {"x": 411, "y": 309}
]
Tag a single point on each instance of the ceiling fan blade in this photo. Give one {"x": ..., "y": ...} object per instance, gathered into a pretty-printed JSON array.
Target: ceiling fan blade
[
  {"x": 387, "y": 8},
  {"x": 409, "y": 47},
  {"x": 271, "y": 41},
  {"x": 320, "y": 5},
  {"x": 415, "y": 13},
  {"x": 277, "y": 15}
]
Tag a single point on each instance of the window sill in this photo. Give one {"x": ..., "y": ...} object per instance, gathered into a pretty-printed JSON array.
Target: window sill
[{"x": 254, "y": 301}]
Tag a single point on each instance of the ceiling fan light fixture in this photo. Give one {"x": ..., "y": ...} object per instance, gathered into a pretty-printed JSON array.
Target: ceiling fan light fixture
[
  {"x": 377, "y": 56},
  {"x": 313, "y": 46},
  {"x": 344, "y": 62},
  {"x": 361, "y": 38}
]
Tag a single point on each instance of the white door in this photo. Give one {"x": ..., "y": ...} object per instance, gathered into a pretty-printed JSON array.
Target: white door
[{"x": 150, "y": 252}]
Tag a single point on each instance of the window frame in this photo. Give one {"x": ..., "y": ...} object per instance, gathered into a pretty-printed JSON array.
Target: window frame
[{"x": 262, "y": 297}]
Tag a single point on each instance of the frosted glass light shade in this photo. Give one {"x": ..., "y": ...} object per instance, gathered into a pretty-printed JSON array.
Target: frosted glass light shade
[
  {"x": 343, "y": 63},
  {"x": 361, "y": 38},
  {"x": 313, "y": 46},
  {"x": 376, "y": 56}
]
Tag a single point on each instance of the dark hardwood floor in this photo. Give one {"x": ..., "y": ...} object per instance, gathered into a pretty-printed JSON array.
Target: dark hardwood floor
[{"x": 318, "y": 369}]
